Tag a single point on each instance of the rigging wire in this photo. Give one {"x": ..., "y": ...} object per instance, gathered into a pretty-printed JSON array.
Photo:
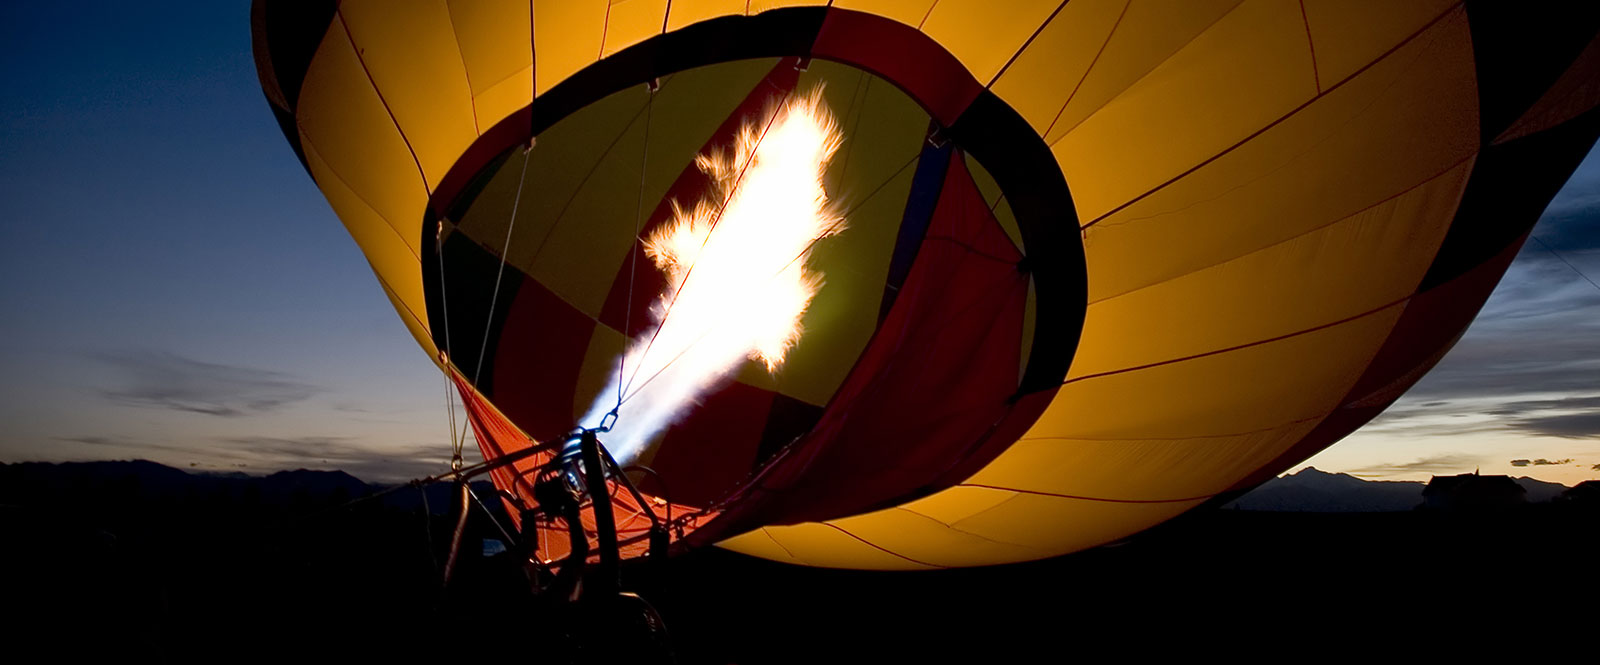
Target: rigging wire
[
  {"x": 1563, "y": 259},
  {"x": 458, "y": 439},
  {"x": 499, "y": 276},
  {"x": 444, "y": 304},
  {"x": 450, "y": 408},
  {"x": 510, "y": 540},
  {"x": 633, "y": 255}
]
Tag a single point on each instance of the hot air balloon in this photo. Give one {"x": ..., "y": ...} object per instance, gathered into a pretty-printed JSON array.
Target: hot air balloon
[{"x": 1071, "y": 269}]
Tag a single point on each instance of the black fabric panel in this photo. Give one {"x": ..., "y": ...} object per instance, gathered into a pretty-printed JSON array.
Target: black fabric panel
[
  {"x": 292, "y": 30},
  {"x": 926, "y": 183},
  {"x": 1521, "y": 48},
  {"x": 778, "y": 33},
  {"x": 1033, "y": 184},
  {"x": 1510, "y": 186},
  {"x": 787, "y": 421},
  {"x": 470, "y": 272}
]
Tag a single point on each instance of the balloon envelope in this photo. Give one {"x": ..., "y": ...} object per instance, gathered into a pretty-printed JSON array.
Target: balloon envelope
[{"x": 1105, "y": 261}]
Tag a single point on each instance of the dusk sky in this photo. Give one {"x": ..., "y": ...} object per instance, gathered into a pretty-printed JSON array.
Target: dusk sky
[{"x": 175, "y": 287}]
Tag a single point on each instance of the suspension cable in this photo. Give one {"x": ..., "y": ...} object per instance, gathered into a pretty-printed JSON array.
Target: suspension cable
[
  {"x": 633, "y": 255},
  {"x": 505, "y": 248},
  {"x": 1563, "y": 259}
]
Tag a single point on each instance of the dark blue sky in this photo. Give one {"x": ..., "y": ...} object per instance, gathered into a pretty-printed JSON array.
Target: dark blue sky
[
  {"x": 162, "y": 245},
  {"x": 175, "y": 288}
]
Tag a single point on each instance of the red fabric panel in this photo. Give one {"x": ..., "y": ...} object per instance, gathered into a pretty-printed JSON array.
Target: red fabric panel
[
  {"x": 934, "y": 382},
  {"x": 1016, "y": 422},
  {"x": 900, "y": 53},
  {"x": 537, "y": 358},
  {"x": 710, "y": 453}
]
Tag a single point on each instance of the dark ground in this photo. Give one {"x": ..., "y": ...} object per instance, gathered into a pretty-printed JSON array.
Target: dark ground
[{"x": 137, "y": 563}]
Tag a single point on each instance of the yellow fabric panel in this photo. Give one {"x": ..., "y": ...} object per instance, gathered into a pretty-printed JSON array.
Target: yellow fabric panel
[
  {"x": 571, "y": 162},
  {"x": 814, "y": 544},
  {"x": 1139, "y": 469},
  {"x": 992, "y": 195},
  {"x": 960, "y": 502},
  {"x": 982, "y": 36},
  {"x": 595, "y": 232},
  {"x": 1248, "y": 70},
  {"x": 688, "y": 12},
  {"x": 1409, "y": 118},
  {"x": 987, "y": 187},
  {"x": 396, "y": 264},
  {"x": 567, "y": 35},
  {"x": 496, "y": 42},
  {"x": 571, "y": 226},
  {"x": 410, "y": 51},
  {"x": 914, "y": 535},
  {"x": 754, "y": 7},
  {"x": 1371, "y": 259},
  {"x": 909, "y": 12},
  {"x": 1045, "y": 75},
  {"x": 342, "y": 116},
  {"x": 1074, "y": 524},
  {"x": 504, "y": 98},
  {"x": 1349, "y": 34},
  {"x": 1007, "y": 531},
  {"x": 1146, "y": 35},
  {"x": 1241, "y": 390},
  {"x": 632, "y": 21},
  {"x": 566, "y": 159},
  {"x": 591, "y": 241}
]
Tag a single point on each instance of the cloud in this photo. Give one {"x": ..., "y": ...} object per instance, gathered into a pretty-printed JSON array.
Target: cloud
[
  {"x": 1566, "y": 426},
  {"x": 1572, "y": 403},
  {"x": 163, "y": 380},
  {"x": 1450, "y": 463},
  {"x": 121, "y": 442},
  {"x": 1572, "y": 417},
  {"x": 1540, "y": 462}
]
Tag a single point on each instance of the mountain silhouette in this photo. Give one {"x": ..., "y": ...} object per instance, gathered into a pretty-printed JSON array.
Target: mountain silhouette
[
  {"x": 144, "y": 481},
  {"x": 1315, "y": 491}
]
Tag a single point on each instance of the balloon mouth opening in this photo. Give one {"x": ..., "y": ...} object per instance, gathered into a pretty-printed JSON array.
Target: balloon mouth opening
[{"x": 572, "y": 323}]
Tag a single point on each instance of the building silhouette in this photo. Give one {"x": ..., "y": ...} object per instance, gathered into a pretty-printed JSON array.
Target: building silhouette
[{"x": 1472, "y": 492}]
